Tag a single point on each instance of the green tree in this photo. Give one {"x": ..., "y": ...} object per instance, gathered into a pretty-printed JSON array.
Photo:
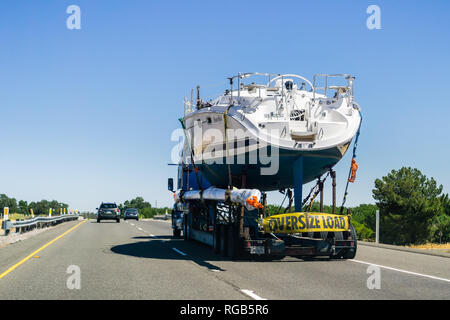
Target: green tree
[
  {"x": 144, "y": 208},
  {"x": 42, "y": 207},
  {"x": 137, "y": 203},
  {"x": 408, "y": 202},
  {"x": 362, "y": 232},
  {"x": 23, "y": 207},
  {"x": 11, "y": 203},
  {"x": 316, "y": 208},
  {"x": 365, "y": 214},
  {"x": 440, "y": 230}
]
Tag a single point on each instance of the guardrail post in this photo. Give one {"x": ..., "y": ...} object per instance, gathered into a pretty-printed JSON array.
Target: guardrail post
[{"x": 5, "y": 220}]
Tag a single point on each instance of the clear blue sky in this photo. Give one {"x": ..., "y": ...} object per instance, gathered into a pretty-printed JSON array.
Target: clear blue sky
[{"x": 86, "y": 115}]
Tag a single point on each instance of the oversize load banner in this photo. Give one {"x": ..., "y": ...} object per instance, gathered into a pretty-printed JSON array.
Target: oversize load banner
[{"x": 305, "y": 222}]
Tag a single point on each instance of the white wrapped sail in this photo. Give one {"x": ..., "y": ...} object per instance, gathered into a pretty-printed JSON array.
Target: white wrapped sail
[
  {"x": 241, "y": 195},
  {"x": 236, "y": 195},
  {"x": 214, "y": 194}
]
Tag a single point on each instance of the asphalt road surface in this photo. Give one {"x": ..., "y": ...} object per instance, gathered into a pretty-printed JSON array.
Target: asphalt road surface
[{"x": 141, "y": 260}]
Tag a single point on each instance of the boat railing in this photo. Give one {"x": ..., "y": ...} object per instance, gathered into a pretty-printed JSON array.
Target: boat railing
[
  {"x": 247, "y": 75},
  {"x": 187, "y": 107},
  {"x": 348, "y": 89},
  {"x": 326, "y": 87}
]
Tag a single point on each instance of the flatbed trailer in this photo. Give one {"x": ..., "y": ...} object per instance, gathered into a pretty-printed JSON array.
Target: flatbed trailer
[{"x": 235, "y": 232}]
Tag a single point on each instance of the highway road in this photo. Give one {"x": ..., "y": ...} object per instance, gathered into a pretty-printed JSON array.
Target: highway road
[{"x": 141, "y": 260}]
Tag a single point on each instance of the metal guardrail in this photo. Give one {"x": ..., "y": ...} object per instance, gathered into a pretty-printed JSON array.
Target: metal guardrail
[{"x": 39, "y": 222}]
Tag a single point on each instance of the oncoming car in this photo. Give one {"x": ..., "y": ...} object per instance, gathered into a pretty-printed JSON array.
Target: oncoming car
[{"x": 108, "y": 211}]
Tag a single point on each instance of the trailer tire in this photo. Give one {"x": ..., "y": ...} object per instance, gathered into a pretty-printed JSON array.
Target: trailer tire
[
  {"x": 186, "y": 234},
  {"x": 346, "y": 253},
  {"x": 338, "y": 235},
  {"x": 229, "y": 241},
  {"x": 351, "y": 253},
  {"x": 232, "y": 242},
  {"x": 217, "y": 239},
  {"x": 223, "y": 241}
]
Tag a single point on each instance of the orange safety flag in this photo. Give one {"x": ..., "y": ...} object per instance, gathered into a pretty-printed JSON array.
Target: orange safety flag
[
  {"x": 253, "y": 201},
  {"x": 354, "y": 168}
]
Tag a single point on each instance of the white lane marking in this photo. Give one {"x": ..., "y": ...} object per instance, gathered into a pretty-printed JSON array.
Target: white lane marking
[
  {"x": 180, "y": 252},
  {"x": 153, "y": 236},
  {"x": 132, "y": 224},
  {"x": 404, "y": 271},
  {"x": 140, "y": 228},
  {"x": 251, "y": 294}
]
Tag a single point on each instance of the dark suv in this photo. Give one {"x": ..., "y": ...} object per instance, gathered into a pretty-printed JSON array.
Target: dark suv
[{"x": 108, "y": 211}]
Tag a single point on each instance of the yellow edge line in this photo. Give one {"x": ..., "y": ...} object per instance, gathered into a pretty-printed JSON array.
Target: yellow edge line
[{"x": 38, "y": 250}]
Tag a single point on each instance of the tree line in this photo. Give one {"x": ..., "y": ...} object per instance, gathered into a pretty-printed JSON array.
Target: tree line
[
  {"x": 23, "y": 207},
  {"x": 144, "y": 208}
]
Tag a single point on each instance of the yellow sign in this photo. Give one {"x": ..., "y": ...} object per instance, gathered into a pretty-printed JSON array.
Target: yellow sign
[
  {"x": 305, "y": 222},
  {"x": 32, "y": 212}
]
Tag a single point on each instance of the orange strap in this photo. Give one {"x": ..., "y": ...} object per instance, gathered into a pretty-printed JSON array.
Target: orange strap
[
  {"x": 354, "y": 168},
  {"x": 253, "y": 201}
]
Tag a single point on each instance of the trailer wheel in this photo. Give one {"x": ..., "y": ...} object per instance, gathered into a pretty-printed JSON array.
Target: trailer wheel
[
  {"x": 176, "y": 233},
  {"x": 232, "y": 243},
  {"x": 338, "y": 235},
  {"x": 229, "y": 241},
  {"x": 223, "y": 240},
  {"x": 346, "y": 253},
  {"x": 186, "y": 228},
  {"x": 351, "y": 253},
  {"x": 217, "y": 239}
]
